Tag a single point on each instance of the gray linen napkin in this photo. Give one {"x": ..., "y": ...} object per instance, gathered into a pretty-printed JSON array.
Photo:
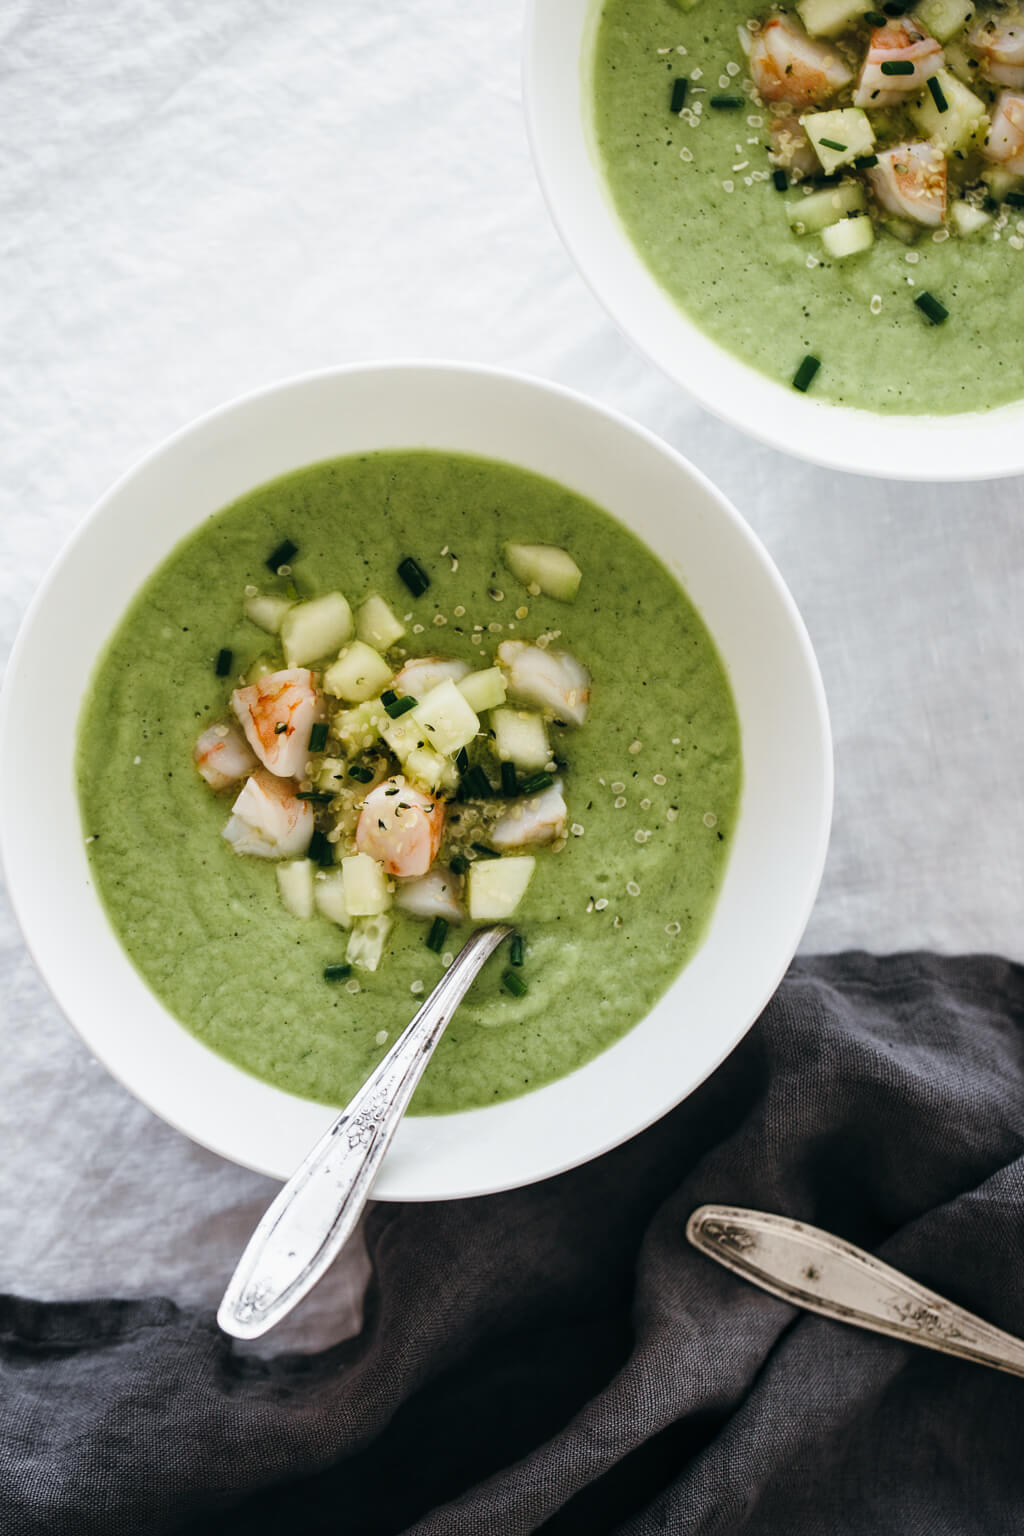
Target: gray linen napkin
[{"x": 559, "y": 1359}]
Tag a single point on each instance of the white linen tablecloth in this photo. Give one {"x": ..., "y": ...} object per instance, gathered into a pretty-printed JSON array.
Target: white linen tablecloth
[{"x": 198, "y": 198}]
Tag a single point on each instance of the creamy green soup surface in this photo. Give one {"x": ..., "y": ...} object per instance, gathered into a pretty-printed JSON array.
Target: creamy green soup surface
[
  {"x": 697, "y": 192},
  {"x": 652, "y": 782}
]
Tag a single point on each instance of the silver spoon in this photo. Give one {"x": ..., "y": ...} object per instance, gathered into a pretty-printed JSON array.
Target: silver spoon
[
  {"x": 312, "y": 1218},
  {"x": 816, "y": 1270}
]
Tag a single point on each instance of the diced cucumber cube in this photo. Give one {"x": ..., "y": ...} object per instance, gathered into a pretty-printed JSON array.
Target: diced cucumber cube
[
  {"x": 404, "y": 735},
  {"x": 483, "y": 690},
  {"x": 365, "y": 886},
  {"x": 968, "y": 220},
  {"x": 520, "y": 737},
  {"x": 359, "y": 729},
  {"x": 446, "y": 718},
  {"x": 376, "y": 625},
  {"x": 360, "y": 673},
  {"x": 261, "y": 667},
  {"x": 808, "y": 215},
  {"x": 295, "y": 880},
  {"x": 840, "y": 137},
  {"x": 428, "y": 769},
  {"x": 331, "y": 775},
  {"x": 943, "y": 19},
  {"x": 495, "y": 887},
  {"x": 1000, "y": 181},
  {"x": 329, "y": 897},
  {"x": 367, "y": 940},
  {"x": 849, "y": 238},
  {"x": 546, "y": 566},
  {"x": 267, "y": 611},
  {"x": 827, "y": 18},
  {"x": 962, "y": 123},
  {"x": 314, "y": 629}
]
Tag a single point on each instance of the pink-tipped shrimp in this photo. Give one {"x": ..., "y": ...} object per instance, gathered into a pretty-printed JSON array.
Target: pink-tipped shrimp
[
  {"x": 268, "y": 821},
  {"x": 1005, "y": 141},
  {"x": 787, "y": 65},
  {"x": 401, "y": 827},
  {"x": 910, "y": 181},
  {"x": 277, "y": 714},
  {"x": 1000, "y": 46},
  {"x": 791, "y": 149},
  {"x": 433, "y": 895},
  {"x": 536, "y": 819},
  {"x": 423, "y": 673},
  {"x": 897, "y": 43},
  {"x": 222, "y": 756},
  {"x": 552, "y": 681}
]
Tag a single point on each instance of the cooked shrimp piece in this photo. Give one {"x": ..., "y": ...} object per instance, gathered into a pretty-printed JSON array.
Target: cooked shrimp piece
[
  {"x": 433, "y": 895},
  {"x": 1000, "y": 45},
  {"x": 898, "y": 42},
  {"x": 787, "y": 65},
  {"x": 910, "y": 181},
  {"x": 535, "y": 819},
  {"x": 1005, "y": 141},
  {"x": 268, "y": 820},
  {"x": 222, "y": 756},
  {"x": 423, "y": 673},
  {"x": 401, "y": 827},
  {"x": 553, "y": 681},
  {"x": 277, "y": 714},
  {"x": 791, "y": 149}
]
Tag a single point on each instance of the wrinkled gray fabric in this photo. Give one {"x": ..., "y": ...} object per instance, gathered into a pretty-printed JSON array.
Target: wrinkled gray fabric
[{"x": 558, "y": 1358}]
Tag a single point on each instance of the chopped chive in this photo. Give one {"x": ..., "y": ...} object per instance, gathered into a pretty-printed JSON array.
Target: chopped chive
[
  {"x": 897, "y": 67},
  {"x": 509, "y": 782},
  {"x": 485, "y": 852},
  {"x": 726, "y": 103},
  {"x": 282, "y": 555},
  {"x": 437, "y": 935},
  {"x": 514, "y": 984},
  {"x": 781, "y": 181},
  {"x": 457, "y": 864},
  {"x": 318, "y": 736},
  {"x": 865, "y": 162},
  {"x": 414, "y": 576},
  {"x": 320, "y": 850},
  {"x": 930, "y": 306},
  {"x": 875, "y": 18},
  {"x": 938, "y": 96},
  {"x": 516, "y": 949},
  {"x": 462, "y": 760},
  {"x": 280, "y": 728},
  {"x": 1015, "y": 199},
  {"x": 360, "y": 774},
  {"x": 680, "y": 86},
  {"x": 475, "y": 784},
  {"x": 388, "y": 697},
  {"x": 337, "y": 972},
  {"x": 831, "y": 144},
  {"x": 399, "y": 707},
  {"x": 223, "y": 663},
  {"x": 896, "y": 7},
  {"x": 805, "y": 373},
  {"x": 535, "y": 783},
  {"x": 317, "y": 796}
]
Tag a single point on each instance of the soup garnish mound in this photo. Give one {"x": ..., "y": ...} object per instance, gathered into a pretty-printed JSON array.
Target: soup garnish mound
[
  {"x": 892, "y": 140},
  {"x": 386, "y": 785},
  {"x": 378, "y": 701}
]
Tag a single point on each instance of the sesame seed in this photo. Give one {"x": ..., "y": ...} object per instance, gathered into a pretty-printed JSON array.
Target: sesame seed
[
  {"x": 686, "y": 154},
  {"x": 620, "y": 801},
  {"x": 645, "y": 805},
  {"x": 352, "y": 986},
  {"x": 672, "y": 928},
  {"x": 251, "y": 591},
  {"x": 1016, "y": 242},
  {"x": 913, "y": 257},
  {"x": 681, "y": 49},
  {"x": 533, "y": 589},
  {"x": 522, "y": 612},
  {"x": 617, "y": 922},
  {"x": 416, "y": 987},
  {"x": 710, "y": 819},
  {"x": 811, "y": 263},
  {"x": 136, "y": 761},
  {"x": 284, "y": 570},
  {"x": 600, "y": 903},
  {"x": 447, "y": 958},
  {"x": 641, "y": 835},
  {"x": 732, "y": 68},
  {"x": 876, "y": 304},
  {"x": 417, "y": 629},
  {"x": 439, "y": 620},
  {"x": 675, "y": 741},
  {"x": 590, "y": 905},
  {"x": 728, "y": 186},
  {"x": 495, "y": 629},
  {"x": 455, "y": 564},
  {"x": 635, "y": 747},
  {"x": 659, "y": 778},
  {"x": 697, "y": 74},
  {"x": 576, "y": 829},
  {"x": 496, "y": 595},
  {"x": 671, "y": 813},
  {"x": 618, "y": 787},
  {"x": 381, "y": 1037},
  {"x": 444, "y": 551},
  {"x": 632, "y": 888}
]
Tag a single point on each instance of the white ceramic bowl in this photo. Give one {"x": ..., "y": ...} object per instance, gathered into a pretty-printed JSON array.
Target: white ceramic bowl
[
  {"x": 780, "y": 839},
  {"x": 559, "y": 43}
]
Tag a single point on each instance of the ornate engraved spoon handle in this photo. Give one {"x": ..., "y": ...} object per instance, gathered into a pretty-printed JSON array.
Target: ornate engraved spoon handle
[
  {"x": 814, "y": 1269},
  {"x": 306, "y": 1226}
]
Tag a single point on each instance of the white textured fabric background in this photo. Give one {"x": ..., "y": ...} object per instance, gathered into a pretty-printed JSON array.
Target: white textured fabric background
[{"x": 199, "y": 197}]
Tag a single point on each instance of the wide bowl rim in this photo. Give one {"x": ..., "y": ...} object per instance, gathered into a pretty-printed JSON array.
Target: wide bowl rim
[
  {"x": 469, "y": 1186},
  {"x": 879, "y": 445}
]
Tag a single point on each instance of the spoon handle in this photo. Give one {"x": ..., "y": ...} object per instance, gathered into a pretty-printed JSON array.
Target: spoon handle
[
  {"x": 816, "y": 1270},
  {"x": 311, "y": 1219}
]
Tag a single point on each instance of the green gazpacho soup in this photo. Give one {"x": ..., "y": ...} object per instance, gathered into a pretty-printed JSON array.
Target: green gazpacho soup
[
  {"x": 294, "y": 818},
  {"x": 833, "y": 192}
]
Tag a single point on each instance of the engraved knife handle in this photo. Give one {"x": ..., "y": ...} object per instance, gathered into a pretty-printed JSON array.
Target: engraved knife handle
[{"x": 814, "y": 1269}]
